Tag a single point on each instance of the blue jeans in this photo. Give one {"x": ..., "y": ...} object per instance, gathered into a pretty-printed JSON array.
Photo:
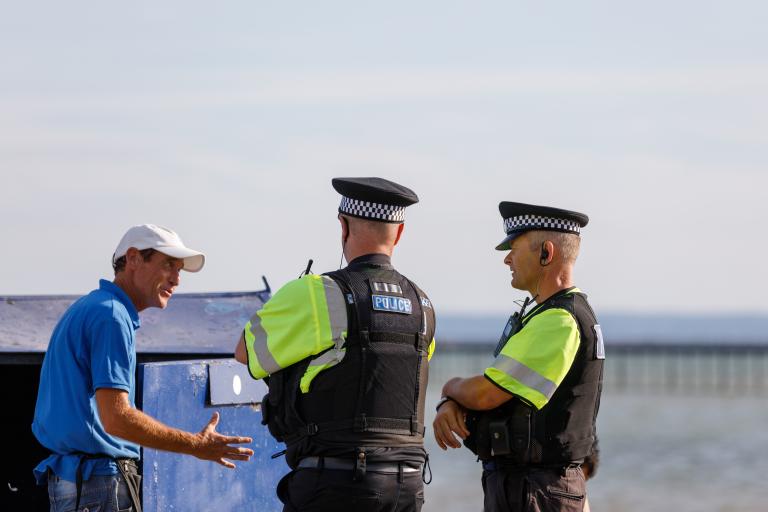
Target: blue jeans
[{"x": 99, "y": 494}]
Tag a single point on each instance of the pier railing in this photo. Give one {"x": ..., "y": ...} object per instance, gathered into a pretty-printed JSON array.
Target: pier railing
[{"x": 689, "y": 368}]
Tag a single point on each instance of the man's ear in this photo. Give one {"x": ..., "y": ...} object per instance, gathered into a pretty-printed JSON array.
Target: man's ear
[
  {"x": 547, "y": 253},
  {"x": 400, "y": 228},
  {"x": 132, "y": 258},
  {"x": 344, "y": 227}
]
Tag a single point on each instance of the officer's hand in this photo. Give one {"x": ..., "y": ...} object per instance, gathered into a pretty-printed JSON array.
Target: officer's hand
[
  {"x": 450, "y": 420},
  {"x": 210, "y": 445}
]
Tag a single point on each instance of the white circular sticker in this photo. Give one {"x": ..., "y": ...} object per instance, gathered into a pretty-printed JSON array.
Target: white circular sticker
[{"x": 237, "y": 386}]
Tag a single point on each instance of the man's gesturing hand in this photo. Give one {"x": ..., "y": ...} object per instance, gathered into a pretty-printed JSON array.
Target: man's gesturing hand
[{"x": 216, "y": 447}]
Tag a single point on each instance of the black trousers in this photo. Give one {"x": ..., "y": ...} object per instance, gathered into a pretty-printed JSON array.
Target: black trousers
[
  {"x": 534, "y": 490},
  {"x": 320, "y": 490}
]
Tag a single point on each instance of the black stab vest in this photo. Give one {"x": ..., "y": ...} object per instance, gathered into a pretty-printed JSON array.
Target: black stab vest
[
  {"x": 375, "y": 396},
  {"x": 563, "y": 431}
]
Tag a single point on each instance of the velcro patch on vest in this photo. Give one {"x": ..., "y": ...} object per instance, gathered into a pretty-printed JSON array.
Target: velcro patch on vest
[
  {"x": 387, "y": 288},
  {"x": 391, "y": 304}
]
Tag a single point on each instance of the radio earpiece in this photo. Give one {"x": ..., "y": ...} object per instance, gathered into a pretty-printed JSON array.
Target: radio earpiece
[{"x": 544, "y": 255}]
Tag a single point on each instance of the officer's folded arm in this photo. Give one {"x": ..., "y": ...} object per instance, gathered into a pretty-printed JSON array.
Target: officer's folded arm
[
  {"x": 477, "y": 393},
  {"x": 450, "y": 420}
]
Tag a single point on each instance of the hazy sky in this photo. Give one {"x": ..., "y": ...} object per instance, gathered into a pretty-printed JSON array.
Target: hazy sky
[{"x": 227, "y": 121}]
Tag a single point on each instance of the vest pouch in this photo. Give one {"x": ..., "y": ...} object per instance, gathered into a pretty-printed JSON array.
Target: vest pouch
[
  {"x": 470, "y": 421},
  {"x": 520, "y": 432},
  {"x": 500, "y": 436},
  {"x": 477, "y": 441},
  {"x": 510, "y": 437},
  {"x": 270, "y": 410},
  {"x": 266, "y": 410},
  {"x": 280, "y": 403},
  {"x": 392, "y": 371},
  {"x": 502, "y": 432}
]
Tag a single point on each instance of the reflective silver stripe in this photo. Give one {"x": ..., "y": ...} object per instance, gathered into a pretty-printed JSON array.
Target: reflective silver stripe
[
  {"x": 337, "y": 309},
  {"x": 333, "y": 355},
  {"x": 337, "y": 317},
  {"x": 263, "y": 354},
  {"x": 525, "y": 375}
]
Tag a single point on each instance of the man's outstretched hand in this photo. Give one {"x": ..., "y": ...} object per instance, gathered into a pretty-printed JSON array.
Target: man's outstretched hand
[{"x": 217, "y": 447}]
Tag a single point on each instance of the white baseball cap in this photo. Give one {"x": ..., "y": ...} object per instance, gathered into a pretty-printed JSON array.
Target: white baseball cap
[{"x": 149, "y": 236}]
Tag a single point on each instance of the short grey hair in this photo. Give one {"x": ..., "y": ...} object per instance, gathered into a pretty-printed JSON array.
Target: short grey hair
[
  {"x": 566, "y": 243},
  {"x": 381, "y": 232}
]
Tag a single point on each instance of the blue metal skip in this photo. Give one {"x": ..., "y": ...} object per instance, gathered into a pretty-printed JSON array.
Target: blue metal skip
[
  {"x": 179, "y": 394},
  {"x": 192, "y": 322}
]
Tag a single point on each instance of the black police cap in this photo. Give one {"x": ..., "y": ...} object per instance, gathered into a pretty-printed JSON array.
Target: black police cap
[
  {"x": 374, "y": 199},
  {"x": 520, "y": 217}
]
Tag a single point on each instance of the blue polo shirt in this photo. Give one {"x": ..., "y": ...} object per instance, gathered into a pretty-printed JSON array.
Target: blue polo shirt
[{"x": 92, "y": 347}]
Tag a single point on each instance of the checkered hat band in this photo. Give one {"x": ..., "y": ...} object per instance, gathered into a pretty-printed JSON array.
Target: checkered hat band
[
  {"x": 371, "y": 210},
  {"x": 530, "y": 222}
]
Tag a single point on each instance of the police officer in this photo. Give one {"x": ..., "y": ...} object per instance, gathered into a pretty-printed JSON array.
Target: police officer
[
  {"x": 531, "y": 417},
  {"x": 345, "y": 355}
]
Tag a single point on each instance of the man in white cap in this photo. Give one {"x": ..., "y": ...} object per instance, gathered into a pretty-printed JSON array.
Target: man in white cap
[{"x": 85, "y": 412}]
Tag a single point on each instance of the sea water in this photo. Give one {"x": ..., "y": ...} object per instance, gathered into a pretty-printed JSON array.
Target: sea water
[{"x": 661, "y": 450}]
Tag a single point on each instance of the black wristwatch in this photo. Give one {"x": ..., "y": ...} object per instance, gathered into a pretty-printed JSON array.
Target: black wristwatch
[{"x": 442, "y": 401}]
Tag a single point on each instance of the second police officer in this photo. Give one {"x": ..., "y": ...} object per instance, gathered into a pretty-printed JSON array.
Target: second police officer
[
  {"x": 531, "y": 417},
  {"x": 345, "y": 355}
]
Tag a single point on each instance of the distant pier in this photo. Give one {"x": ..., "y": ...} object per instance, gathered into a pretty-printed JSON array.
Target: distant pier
[{"x": 726, "y": 369}]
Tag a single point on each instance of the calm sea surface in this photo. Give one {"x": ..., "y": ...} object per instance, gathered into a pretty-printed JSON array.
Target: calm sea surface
[{"x": 661, "y": 450}]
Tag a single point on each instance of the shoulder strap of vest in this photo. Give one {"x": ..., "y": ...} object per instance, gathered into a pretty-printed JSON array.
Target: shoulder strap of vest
[
  {"x": 427, "y": 325},
  {"x": 427, "y": 313},
  {"x": 564, "y": 299},
  {"x": 576, "y": 304},
  {"x": 341, "y": 277},
  {"x": 356, "y": 333},
  {"x": 422, "y": 340}
]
